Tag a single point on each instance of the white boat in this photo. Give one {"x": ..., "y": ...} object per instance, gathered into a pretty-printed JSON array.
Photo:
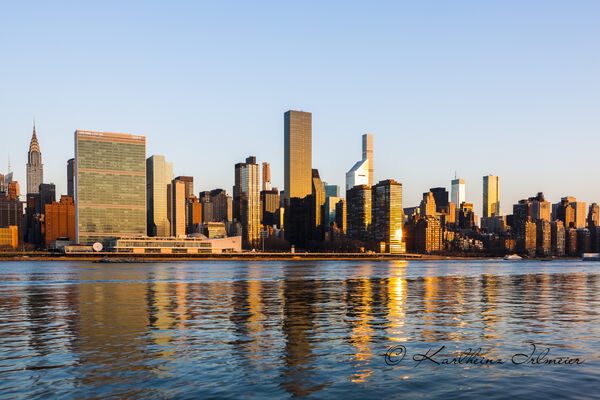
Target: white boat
[
  {"x": 591, "y": 257},
  {"x": 512, "y": 257}
]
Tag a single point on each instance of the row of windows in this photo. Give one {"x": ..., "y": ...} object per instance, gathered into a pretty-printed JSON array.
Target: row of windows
[
  {"x": 165, "y": 244},
  {"x": 111, "y": 155}
]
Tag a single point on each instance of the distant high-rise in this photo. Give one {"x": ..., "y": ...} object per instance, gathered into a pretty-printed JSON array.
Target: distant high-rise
[
  {"x": 297, "y": 154},
  {"x": 222, "y": 206},
  {"x": 110, "y": 186},
  {"x": 269, "y": 200},
  {"x": 367, "y": 154},
  {"x": 359, "y": 212},
  {"x": 387, "y": 215},
  {"x": 428, "y": 205},
  {"x": 341, "y": 215},
  {"x": 565, "y": 212},
  {"x": 159, "y": 175},
  {"x": 266, "y": 176},
  {"x": 362, "y": 172},
  {"x": 329, "y": 210},
  {"x": 457, "y": 194},
  {"x": 189, "y": 184},
  {"x": 318, "y": 196},
  {"x": 247, "y": 200},
  {"x": 71, "y": 178},
  {"x": 47, "y": 195},
  {"x": 14, "y": 190},
  {"x": 440, "y": 195},
  {"x": 580, "y": 208},
  {"x": 59, "y": 220},
  {"x": 35, "y": 168},
  {"x": 176, "y": 203},
  {"x": 466, "y": 216},
  {"x": 540, "y": 208},
  {"x": 193, "y": 210},
  {"x": 491, "y": 196},
  {"x": 331, "y": 190},
  {"x": 594, "y": 215}
]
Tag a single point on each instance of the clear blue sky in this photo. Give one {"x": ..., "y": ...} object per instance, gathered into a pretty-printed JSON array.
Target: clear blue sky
[{"x": 510, "y": 88}]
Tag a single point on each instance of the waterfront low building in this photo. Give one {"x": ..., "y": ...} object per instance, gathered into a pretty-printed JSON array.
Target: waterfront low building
[{"x": 172, "y": 245}]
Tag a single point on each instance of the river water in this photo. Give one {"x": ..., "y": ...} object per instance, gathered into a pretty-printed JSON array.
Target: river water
[{"x": 308, "y": 329}]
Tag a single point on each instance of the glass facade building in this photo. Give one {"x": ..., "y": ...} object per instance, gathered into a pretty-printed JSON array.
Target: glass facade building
[
  {"x": 159, "y": 176},
  {"x": 491, "y": 196},
  {"x": 388, "y": 216},
  {"x": 247, "y": 199},
  {"x": 297, "y": 154},
  {"x": 110, "y": 186}
]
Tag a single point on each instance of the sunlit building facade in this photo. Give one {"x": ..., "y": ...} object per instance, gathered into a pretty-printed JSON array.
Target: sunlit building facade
[
  {"x": 362, "y": 172},
  {"x": 458, "y": 192},
  {"x": 159, "y": 174},
  {"x": 491, "y": 196},
  {"x": 297, "y": 154},
  {"x": 110, "y": 186},
  {"x": 388, "y": 216},
  {"x": 247, "y": 200},
  {"x": 176, "y": 204}
]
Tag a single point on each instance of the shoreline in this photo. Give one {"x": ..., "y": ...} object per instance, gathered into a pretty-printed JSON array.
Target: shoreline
[
  {"x": 128, "y": 257},
  {"x": 36, "y": 256}
]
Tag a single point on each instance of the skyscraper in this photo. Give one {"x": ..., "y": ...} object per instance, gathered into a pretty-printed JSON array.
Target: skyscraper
[
  {"x": 35, "y": 168},
  {"x": 362, "y": 172},
  {"x": 440, "y": 195},
  {"x": 222, "y": 205},
  {"x": 457, "y": 194},
  {"x": 266, "y": 176},
  {"x": 388, "y": 215},
  {"x": 159, "y": 175},
  {"x": 71, "y": 178},
  {"x": 331, "y": 190},
  {"x": 297, "y": 154},
  {"x": 565, "y": 212},
  {"x": 247, "y": 200},
  {"x": 428, "y": 205},
  {"x": 581, "y": 210},
  {"x": 594, "y": 215},
  {"x": 491, "y": 196},
  {"x": 269, "y": 200},
  {"x": 189, "y": 184},
  {"x": 359, "y": 212},
  {"x": 318, "y": 196},
  {"x": 176, "y": 203},
  {"x": 367, "y": 154},
  {"x": 110, "y": 186}
]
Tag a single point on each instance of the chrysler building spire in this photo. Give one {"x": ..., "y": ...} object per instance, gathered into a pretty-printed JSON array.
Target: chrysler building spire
[{"x": 35, "y": 168}]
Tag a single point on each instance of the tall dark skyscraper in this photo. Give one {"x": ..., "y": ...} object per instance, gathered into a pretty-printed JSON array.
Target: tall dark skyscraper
[
  {"x": 35, "y": 168},
  {"x": 71, "y": 178},
  {"x": 297, "y": 154}
]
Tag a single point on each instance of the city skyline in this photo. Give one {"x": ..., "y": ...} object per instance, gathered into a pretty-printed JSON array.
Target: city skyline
[
  {"x": 478, "y": 202},
  {"x": 446, "y": 90}
]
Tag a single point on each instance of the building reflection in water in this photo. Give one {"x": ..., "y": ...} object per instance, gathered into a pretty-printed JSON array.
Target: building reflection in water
[
  {"x": 299, "y": 314},
  {"x": 111, "y": 340},
  {"x": 302, "y": 329},
  {"x": 397, "y": 287},
  {"x": 359, "y": 314}
]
